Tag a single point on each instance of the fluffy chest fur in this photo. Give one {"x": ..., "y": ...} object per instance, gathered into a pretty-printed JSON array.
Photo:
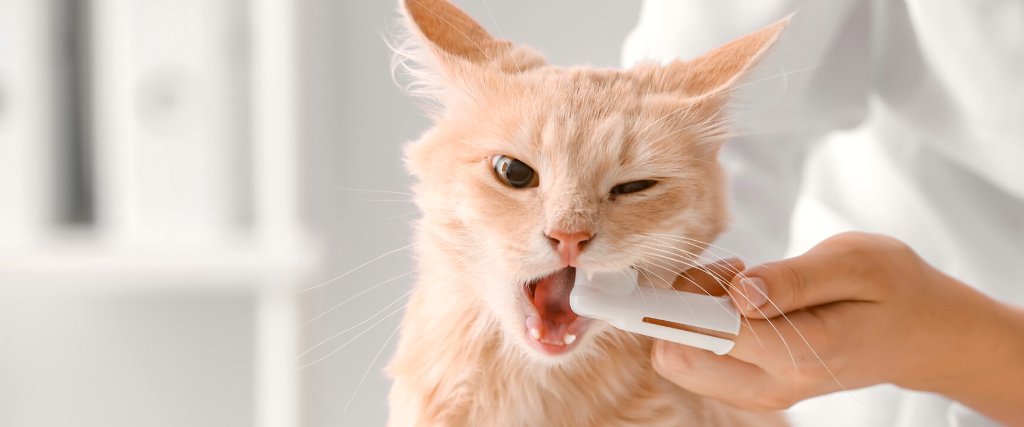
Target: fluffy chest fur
[{"x": 454, "y": 368}]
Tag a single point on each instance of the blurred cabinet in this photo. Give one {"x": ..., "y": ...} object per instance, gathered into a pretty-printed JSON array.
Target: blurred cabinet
[
  {"x": 170, "y": 117},
  {"x": 184, "y": 123},
  {"x": 27, "y": 123}
]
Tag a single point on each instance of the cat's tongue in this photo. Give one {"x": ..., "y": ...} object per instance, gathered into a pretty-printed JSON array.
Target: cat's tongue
[
  {"x": 553, "y": 327},
  {"x": 551, "y": 298}
]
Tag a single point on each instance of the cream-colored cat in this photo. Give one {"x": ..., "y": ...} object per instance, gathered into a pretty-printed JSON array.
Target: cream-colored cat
[{"x": 530, "y": 171}]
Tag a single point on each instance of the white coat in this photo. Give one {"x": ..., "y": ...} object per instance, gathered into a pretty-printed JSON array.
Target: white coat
[{"x": 899, "y": 117}]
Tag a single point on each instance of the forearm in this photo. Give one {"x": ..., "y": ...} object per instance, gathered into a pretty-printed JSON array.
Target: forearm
[
  {"x": 997, "y": 386},
  {"x": 985, "y": 369}
]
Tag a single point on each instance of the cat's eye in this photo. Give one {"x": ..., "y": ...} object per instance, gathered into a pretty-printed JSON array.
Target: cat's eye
[
  {"x": 633, "y": 187},
  {"x": 514, "y": 173}
]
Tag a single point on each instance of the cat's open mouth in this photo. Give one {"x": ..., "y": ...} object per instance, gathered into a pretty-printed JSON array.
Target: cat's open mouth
[{"x": 551, "y": 325}]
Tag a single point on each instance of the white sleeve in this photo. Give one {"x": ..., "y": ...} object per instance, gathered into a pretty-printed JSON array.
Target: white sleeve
[{"x": 814, "y": 80}]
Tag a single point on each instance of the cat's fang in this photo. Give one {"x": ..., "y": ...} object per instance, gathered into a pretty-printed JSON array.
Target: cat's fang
[
  {"x": 535, "y": 333},
  {"x": 569, "y": 338}
]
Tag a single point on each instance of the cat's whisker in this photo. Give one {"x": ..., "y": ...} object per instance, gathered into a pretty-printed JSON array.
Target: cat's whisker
[
  {"x": 383, "y": 309},
  {"x": 445, "y": 284},
  {"x": 388, "y": 216},
  {"x": 669, "y": 268},
  {"x": 354, "y": 393},
  {"x": 353, "y": 297},
  {"x": 636, "y": 284},
  {"x": 650, "y": 78},
  {"x": 372, "y": 362},
  {"x": 688, "y": 107},
  {"x": 677, "y": 238},
  {"x": 769, "y": 195},
  {"x": 371, "y": 191},
  {"x": 711, "y": 127},
  {"x": 694, "y": 256},
  {"x": 701, "y": 125},
  {"x": 669, "y": 284},
  {"x": 359, "y": 324},
  {"x": 354, "y": 269},
  {"x": 403, "y": 215},
  {"x": 784, "y": 75},
  {"x": 529, "y": 91},
  {"x": 410, "y": 221},
  {"x": 445, "y": 268},
  {"x": 692, "y": 261},
  {"x": 384, "y": 200}
]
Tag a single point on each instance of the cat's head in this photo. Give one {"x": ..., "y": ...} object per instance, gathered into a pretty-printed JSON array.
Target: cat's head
[{"x": 534, "y": 170}]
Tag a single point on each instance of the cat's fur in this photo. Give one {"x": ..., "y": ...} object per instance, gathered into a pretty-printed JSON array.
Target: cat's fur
[{"x": 463, "y": 358}]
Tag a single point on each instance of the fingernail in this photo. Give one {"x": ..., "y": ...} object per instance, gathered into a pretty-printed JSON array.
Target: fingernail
[{"x": 756, "y": 292}]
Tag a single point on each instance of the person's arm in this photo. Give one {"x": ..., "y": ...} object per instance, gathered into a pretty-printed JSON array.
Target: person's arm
[{"x": 860, "y": 309}]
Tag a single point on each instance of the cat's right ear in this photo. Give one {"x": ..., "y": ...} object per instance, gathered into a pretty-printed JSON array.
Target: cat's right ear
[{"x": 445, "y": 50}]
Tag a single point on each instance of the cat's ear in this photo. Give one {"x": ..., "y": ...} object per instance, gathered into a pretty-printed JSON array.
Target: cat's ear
[
  {"x": 446, "y": 48},
  {"x": 720, "y": 69}
]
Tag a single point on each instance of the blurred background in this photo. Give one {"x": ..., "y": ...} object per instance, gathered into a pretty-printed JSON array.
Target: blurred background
[
  {"x": 205, "y": 219},
  {"x": 181, "y": 181}
]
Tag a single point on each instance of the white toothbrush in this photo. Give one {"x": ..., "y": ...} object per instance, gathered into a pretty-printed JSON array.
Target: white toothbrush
[{"x": 617, "y": 299}]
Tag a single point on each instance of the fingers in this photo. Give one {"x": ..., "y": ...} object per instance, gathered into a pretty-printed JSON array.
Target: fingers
[
  {"x": 709, "y": 279},
  {"x": 835, "y": 270},
  {"x": 813, "y": 324},
  {"x": 771, "y": 367},
  {"x": 724, "y": 378}
]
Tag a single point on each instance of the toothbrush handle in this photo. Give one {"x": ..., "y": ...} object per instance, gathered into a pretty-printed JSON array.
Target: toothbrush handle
[{"x": 715, "y": 345}]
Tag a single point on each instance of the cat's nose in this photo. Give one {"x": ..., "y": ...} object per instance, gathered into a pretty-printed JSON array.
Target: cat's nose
[{"x": 568, "y": 245}]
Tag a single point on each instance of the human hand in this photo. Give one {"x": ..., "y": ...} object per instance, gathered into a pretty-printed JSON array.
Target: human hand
[{"x": 856, "y": 310}]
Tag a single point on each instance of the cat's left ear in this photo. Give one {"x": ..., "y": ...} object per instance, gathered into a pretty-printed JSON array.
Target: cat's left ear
[
  {"x": 458, "y": 49},
  {"x": 718, "y": 70}
]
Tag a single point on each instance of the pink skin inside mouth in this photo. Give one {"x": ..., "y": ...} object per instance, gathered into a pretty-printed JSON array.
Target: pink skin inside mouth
[{"x": 557, "y": 328}]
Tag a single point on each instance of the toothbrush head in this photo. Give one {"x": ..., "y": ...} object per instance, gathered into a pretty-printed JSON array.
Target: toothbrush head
[{"x": 617, "y": 298}]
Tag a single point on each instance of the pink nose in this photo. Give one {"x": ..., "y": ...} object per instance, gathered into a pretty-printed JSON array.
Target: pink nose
[{"x": 568, "y": 245}]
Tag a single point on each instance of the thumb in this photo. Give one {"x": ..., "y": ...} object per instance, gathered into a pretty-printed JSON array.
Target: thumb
[{"x": 814, "y": 278}]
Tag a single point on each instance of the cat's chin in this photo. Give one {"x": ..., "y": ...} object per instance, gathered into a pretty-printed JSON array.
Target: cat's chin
[{"x": 550, "y": 326}]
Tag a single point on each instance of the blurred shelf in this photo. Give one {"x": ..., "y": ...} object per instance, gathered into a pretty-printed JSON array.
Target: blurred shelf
[{"x": 80, "y": 263}]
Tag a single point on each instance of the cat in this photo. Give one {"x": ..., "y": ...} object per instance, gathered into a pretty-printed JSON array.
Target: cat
[{"x": 529, "y": 172}]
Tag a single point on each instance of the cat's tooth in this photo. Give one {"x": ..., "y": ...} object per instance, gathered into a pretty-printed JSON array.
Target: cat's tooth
[
  {"x": 535, "y": 333},
  {"x": 569, "y": 338},
  {"x": 590, "y": 276}
]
